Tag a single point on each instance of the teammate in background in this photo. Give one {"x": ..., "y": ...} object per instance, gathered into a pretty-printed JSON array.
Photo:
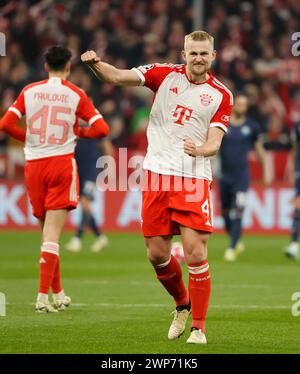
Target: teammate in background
[
  {"x": 52, "y": 108},
  {"x": 292, "y": 251},
  {"x": 188, "y": 119},
  {"x": 87, "y": 153},
  {"x": 243, "y": 135}
]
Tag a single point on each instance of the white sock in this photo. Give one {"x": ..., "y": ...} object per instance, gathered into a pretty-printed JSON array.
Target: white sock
[
  {"x": 59, "y": 296},
  {"x": 42, "y": 297}
]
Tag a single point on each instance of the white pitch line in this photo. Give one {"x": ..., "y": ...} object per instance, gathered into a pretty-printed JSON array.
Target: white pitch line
[
  {"x": 150, "y": 283},
  {"x": 242, "y": 285},
  {"x": 139, "y": 283},
  {"x": 214, "y": 306},
  {"x": 260, "y": 307}
]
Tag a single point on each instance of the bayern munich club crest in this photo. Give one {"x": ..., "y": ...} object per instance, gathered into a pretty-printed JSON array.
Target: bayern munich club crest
[{"x": 206, "y": 99}]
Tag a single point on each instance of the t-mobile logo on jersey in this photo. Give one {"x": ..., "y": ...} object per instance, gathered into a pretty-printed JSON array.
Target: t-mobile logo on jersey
[{"x": 182, "y": 113}]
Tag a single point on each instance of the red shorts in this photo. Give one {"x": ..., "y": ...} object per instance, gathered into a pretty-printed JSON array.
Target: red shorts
[
  {"x": 170, "y": 201},
  {"x": 52, "y": 184}
]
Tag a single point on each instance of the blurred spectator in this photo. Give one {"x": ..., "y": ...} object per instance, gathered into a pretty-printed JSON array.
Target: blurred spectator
[
  {"x": 294, "y": 112},
  {"x": 253, "y": 39}
]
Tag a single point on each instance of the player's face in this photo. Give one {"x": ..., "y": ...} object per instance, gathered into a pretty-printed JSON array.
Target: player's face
[
  {"x": 240, "y": 105},
  {"x": 199, "y": 56}
]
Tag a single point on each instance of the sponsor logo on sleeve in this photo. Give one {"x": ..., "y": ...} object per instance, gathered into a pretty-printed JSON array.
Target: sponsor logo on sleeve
[
  {"x": 145, "y": 68},
  {"x": 225, "y": 118}
]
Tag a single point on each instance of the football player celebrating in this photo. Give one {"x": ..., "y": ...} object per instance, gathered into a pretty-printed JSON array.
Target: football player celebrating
[
  {"x": 188, "y": 119},
  {"x": 52, "y": 108}
]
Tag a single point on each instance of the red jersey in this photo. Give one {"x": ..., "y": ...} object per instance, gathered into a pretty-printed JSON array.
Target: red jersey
[{"x": 52, "y": 108}]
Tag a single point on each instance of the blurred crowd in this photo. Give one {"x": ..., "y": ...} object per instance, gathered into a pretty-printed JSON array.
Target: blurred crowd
[{"x": 253, "y": 40}]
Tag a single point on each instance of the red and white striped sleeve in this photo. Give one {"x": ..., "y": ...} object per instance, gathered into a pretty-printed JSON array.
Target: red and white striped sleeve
[
  {"x": 86, "y": 110},
  {"x": 223, "y": 113},
  {"x": 152, "y": 75},
  {"x": 18, "y": 107}
]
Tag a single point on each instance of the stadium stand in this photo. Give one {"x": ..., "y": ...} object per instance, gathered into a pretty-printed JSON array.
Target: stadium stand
[{"x": 128, "y": 33}]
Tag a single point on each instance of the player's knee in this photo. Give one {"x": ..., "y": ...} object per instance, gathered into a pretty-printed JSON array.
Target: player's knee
[
  {"x": 157, "y": 256},
  {"x": 196, "y": 256},
  {"x": 225, "y": 212},
  {"x": 196, "y": 252},
  {"x": 236, "y": 213},
  {"x": 51, "y": 234},
  {"x": 158, "y": 249}
]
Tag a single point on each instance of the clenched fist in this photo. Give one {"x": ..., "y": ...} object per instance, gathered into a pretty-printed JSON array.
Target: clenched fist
[
  {"x": 90, "y": 58},
  {"x": 190, "y": 147}
]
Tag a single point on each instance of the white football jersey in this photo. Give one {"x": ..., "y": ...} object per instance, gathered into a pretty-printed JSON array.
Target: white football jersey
[
  {"x": 52, "y": 108},
  {"x": 181, "y": 109}
]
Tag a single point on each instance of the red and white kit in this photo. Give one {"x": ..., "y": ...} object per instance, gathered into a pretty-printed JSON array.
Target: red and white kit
[
  {"x": 181, "y": 109},
  {"x": 52, "y": 108}
]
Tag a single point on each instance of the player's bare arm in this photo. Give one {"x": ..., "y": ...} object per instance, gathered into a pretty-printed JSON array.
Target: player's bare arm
[
  {"x": 109, "y": 73},
  {"x": 9, "y": 124},
  {"x": 209, "y": 148}
]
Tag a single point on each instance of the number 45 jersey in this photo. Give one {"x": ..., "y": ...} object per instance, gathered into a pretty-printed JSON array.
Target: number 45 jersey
[
  {"x": 52, "y": 108},
  {"x": 181, "y": 109}
]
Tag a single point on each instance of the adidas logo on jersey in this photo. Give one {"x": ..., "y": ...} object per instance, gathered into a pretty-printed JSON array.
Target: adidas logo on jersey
[
  {"x": 42, "y": 261},
  {"x": 174, "y": 89}
]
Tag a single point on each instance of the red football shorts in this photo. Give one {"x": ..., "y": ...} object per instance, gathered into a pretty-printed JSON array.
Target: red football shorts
[
  {"x": 170, "y": 201},
  {"x": 52, "y": 184}
]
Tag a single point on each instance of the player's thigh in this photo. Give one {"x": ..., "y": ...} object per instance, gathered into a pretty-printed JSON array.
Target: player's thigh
[
  {"x": 156, "y": 214},
  {"x": 158, "y": 248},
  {"x": 36, "y": 187},
  {"x": 195, "y": 244},
  {"x": 194, "y": 209},
  {"x": 63, "y": 185},
  {"x": 53, "y": 225},
  {"x": 225, "y": 195}
]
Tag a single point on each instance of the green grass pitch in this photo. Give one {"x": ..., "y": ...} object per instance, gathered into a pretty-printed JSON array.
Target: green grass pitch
[{"x": 119, "y": 307}]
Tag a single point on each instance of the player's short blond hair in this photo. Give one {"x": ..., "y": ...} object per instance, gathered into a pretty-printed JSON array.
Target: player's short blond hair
[{"x": 199, "y": 36}]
